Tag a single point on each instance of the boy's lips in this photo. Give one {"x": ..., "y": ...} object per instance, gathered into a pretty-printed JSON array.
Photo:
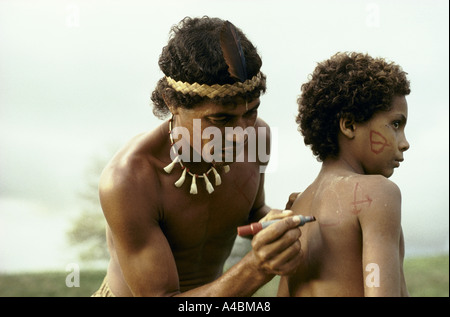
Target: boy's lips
[{"x": 398, "y": 161}]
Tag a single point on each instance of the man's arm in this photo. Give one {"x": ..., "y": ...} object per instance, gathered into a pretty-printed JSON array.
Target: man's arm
[
  {"x": 144, "y": 253},
  {"x": 260, "y": 265},
  {"x": 260, "y": 209},
  {"x": 145, "y": 257},
  {"x": 382, "y": 239},
  {"x": 276, "y": 249}
]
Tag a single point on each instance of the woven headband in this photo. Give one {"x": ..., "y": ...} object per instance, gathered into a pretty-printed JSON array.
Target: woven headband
[{"x": 204, "y": 90}]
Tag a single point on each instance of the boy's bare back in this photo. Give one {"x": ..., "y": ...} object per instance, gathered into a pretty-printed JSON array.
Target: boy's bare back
[
  {"x": 344, "y": 205},
  {"x": 353, "y": 113}
]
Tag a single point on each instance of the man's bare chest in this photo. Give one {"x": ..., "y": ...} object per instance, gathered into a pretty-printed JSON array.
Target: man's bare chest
[{"x": 191, "y": 220}]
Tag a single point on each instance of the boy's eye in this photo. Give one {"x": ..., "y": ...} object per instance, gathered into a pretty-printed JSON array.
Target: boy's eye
[{"x": 396, "y": 124}]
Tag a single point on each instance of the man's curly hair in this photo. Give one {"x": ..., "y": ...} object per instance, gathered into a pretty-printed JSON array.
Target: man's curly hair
[
  {"x": 193, "y": 55},
  {"x": 348, "y": 85}
]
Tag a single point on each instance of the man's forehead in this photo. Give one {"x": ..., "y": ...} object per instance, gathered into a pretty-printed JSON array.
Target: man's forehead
[{"x": 213, "y": 107}]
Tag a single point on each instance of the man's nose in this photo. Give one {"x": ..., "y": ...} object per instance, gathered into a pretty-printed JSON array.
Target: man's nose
[{"x": 238, "y": 134}]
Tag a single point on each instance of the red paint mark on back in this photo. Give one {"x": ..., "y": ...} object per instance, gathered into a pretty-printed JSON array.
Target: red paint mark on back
[{"x": 359, "y": 198}]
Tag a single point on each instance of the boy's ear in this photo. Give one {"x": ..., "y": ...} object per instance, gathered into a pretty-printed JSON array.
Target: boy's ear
[{"x": 347, "y": 126}]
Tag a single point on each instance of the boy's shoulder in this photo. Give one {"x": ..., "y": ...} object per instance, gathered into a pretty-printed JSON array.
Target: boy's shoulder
[
  {"x": 376, "y": 189},
  {"x": 370, "y": 184},
  {"x": 362, "y": 194},
  {"x": 375, "y": 198},
  {"x": 377, "y": 183}
]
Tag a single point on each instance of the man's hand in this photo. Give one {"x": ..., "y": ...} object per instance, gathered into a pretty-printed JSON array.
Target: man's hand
[{"x": 277, "y": 249}]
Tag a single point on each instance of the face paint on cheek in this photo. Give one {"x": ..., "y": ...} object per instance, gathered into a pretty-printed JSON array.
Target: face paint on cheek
[{"x": 377, "y": 142}]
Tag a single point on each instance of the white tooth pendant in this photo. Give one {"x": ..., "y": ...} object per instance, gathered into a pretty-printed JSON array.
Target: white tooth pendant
[
  {"x": 217, "y": 176},
  {"x": 193, "y": 185},
  {"x": 209, "y": 186},
  {"x": 169, "y": 167},
  {"x": 180, "y": 181}
]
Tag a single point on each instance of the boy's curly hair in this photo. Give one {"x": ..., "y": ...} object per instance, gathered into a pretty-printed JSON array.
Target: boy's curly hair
[
  {"x": 348, "y": 85},
  {"x": 193, "y": 55}
]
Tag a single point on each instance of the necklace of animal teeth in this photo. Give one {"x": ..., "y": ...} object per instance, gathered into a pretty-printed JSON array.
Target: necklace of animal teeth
[{"x": 168, "y": 169}]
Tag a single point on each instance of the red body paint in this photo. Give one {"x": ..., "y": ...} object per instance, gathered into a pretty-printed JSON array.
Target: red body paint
[
  {"x": 359, "y": 198},
  {"x": 377, "y": 142}
]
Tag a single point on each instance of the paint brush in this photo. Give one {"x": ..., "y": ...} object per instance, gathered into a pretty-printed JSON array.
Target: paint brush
[{"x": 256, "y": 227}]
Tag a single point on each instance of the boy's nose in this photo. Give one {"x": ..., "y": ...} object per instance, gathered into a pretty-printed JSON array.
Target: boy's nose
[{"x": 404, "y": 145}]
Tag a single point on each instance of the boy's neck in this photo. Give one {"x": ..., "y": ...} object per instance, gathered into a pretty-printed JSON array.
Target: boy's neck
[{"x": 342, "y": 165}]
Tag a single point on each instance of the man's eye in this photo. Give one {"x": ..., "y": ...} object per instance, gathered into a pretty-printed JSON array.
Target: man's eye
[
  {"x": 396, "y": 124},
  {"x": 252, "y": 112},
  {"x": 219, "y": 120}
]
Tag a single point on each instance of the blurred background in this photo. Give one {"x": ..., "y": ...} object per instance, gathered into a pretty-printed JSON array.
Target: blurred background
[{"x": 75, "y": 84}]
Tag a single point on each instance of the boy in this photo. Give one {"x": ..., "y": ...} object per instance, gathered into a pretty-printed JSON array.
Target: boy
[{"x": 352, "y": 112}]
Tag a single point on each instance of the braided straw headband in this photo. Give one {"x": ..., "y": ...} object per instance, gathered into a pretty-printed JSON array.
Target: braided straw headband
[{"x": 212, "y": 91}]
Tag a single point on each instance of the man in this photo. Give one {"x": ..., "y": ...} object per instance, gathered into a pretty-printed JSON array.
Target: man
[{"x": 172, "y": 203}]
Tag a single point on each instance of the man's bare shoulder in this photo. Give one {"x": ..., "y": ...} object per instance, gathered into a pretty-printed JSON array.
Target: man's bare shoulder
[
  {"x": 133, "y": 169},
  {"x": 260, "y": 123},
  {"x": 263, "y": 133}
]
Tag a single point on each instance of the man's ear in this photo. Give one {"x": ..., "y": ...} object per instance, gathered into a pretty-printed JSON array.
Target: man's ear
[
  {"x": 347, "y": 126},
  {"x": 172, "y": 109}
]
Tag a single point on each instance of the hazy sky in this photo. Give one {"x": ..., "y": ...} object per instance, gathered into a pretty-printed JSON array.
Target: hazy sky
[{"x": 76, "y": 77}]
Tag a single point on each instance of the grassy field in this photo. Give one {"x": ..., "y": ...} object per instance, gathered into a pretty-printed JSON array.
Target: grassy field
[{"x": 425, "y": 277}]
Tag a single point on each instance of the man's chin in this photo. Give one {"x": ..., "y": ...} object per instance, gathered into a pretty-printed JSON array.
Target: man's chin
[{"x": 222, "y": 163}]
